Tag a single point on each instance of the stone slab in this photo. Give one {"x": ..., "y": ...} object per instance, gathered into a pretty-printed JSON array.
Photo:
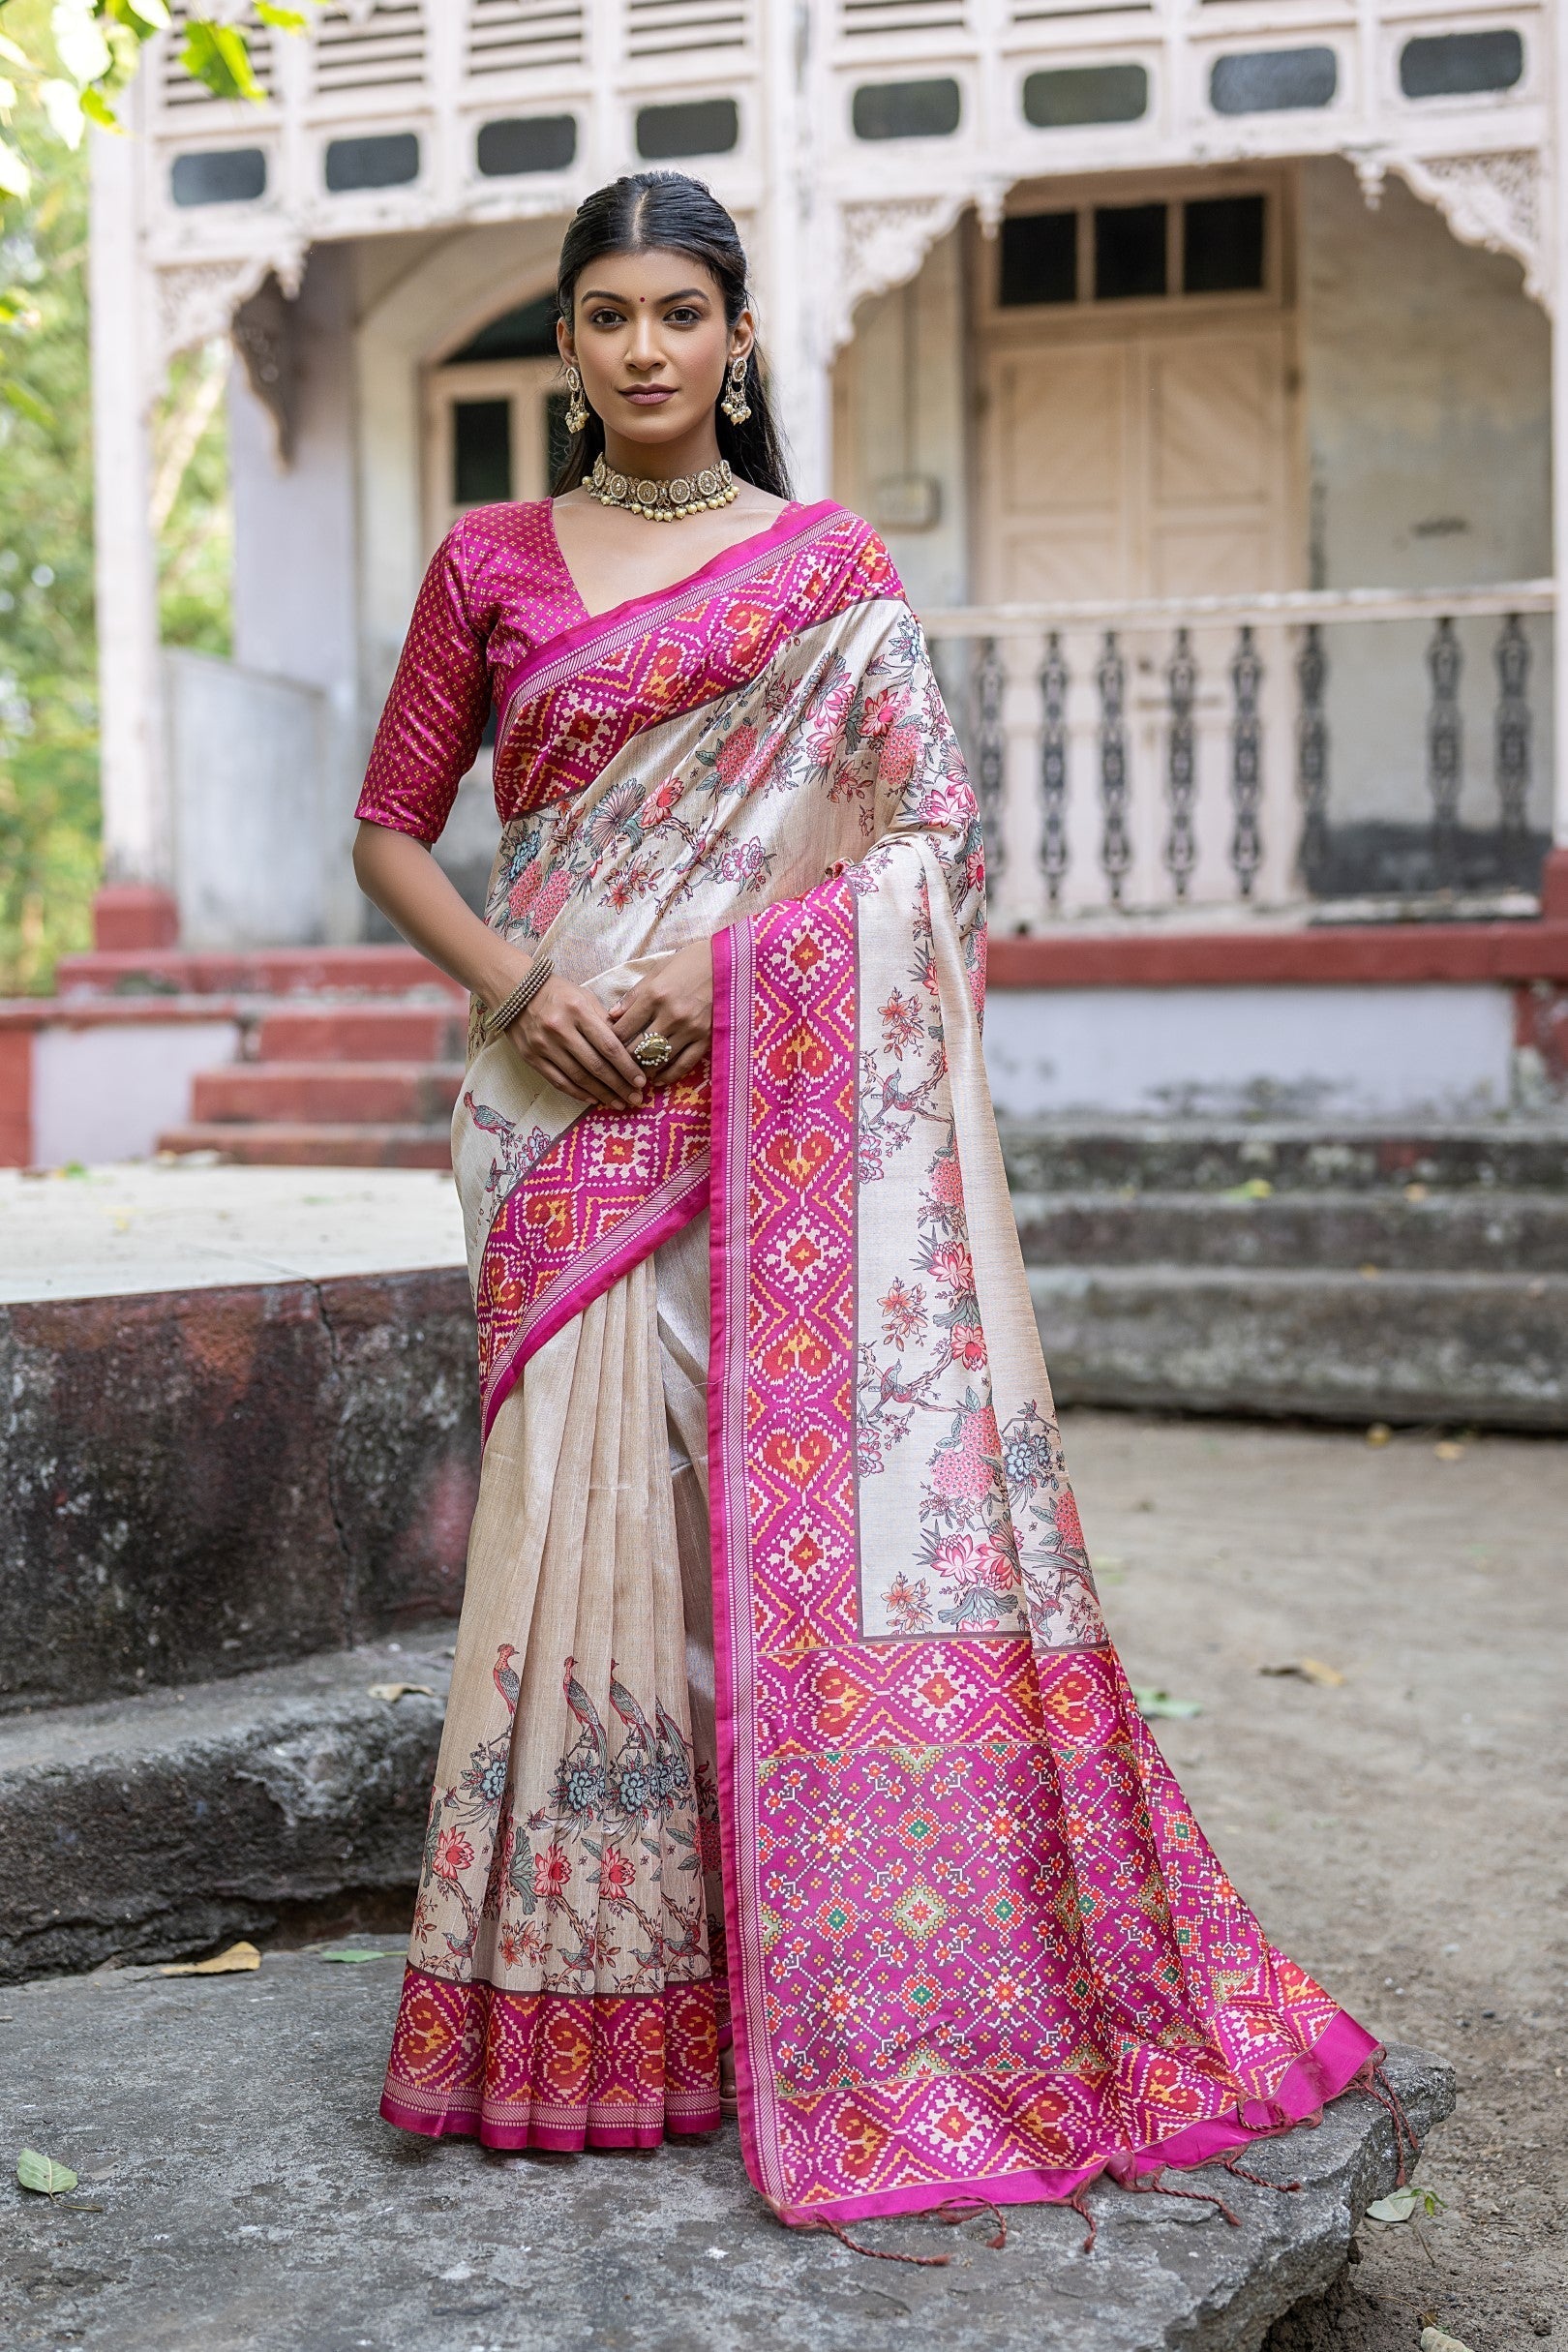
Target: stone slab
[
  {"x": 1208, "y": 1156},
  {"x": 1477, "y": 1231},
  {"x": 145, "y": 1829},
  {"x": 251, "y": 2197},
  {"x": 1483, "y": 1349},
  {"x": 150, "y": 1225},
  {"x": 195, "y": 1483}
]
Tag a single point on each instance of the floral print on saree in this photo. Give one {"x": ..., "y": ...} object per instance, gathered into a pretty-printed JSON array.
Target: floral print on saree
[{"x": 971, "y": 1937}]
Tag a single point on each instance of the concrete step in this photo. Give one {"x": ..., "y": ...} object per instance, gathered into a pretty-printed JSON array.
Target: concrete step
[
  {"x": 244, "y": 2193},
  {"x": 141, "y": 1828},
  {"x": 258, "y": 972},
  {"x": 321, "y": 1144},
  {"x": 390, "y": 1032},
  {"x": 343, "y": 1093},
  {"x": 1454, "y": 1348},
  {"x": 197, "y": 1483},
  {"x": 1477, "y": 1230},
  {"x": 1068, "y": 1156}
]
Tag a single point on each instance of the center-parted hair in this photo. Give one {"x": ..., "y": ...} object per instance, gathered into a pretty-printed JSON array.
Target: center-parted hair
[{"x": 669, "y": 212}]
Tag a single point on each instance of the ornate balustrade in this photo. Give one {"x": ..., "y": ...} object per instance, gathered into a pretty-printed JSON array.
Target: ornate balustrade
[{"x": 1214, "y": 751}]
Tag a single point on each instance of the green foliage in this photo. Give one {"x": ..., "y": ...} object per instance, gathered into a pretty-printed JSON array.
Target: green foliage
[{"x": 49, "y": 749}]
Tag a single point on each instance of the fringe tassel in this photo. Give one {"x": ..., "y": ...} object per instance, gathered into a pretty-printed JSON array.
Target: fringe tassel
[
  {"x": 955, "y": 2211},
  {"x": 1373, "y": 2080},
  {"x": 1241, "y": 2173},
  {"x": 1152, "y": 2184},
  {"x": 1079, "y": 2202}
]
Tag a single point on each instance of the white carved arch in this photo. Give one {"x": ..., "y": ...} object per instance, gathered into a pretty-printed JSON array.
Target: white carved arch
[
  {"x": 1493, "y": 200},
  {"x": 196, "y": 300}
]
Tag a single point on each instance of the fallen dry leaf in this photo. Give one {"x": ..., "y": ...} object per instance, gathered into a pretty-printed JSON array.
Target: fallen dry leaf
[
  {"x": 43, "y": 2175},
  {"x": 1153, "y": 1705},
  {"x": 1309, "y": 1669},
  {"x": 1438, "y": 2339},
  {"x": 1447, "y": 1451},
  {"x": 230, "y": 1962},
  {"x": 1380, "y": 1433},
  {"x": 1404, "y": 2204},
  {"x": 391, "y": 1692},
  {"x": 353, "y": 1951}
]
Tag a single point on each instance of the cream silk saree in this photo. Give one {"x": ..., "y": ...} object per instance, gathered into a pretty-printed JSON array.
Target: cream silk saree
[{"x": 783, "y": 1705}]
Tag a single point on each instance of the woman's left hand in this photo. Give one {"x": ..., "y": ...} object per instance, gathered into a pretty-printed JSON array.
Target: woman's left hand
[{"x": 678, "y": 1001}]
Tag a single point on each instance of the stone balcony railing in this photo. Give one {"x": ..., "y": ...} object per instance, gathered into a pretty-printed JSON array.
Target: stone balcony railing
[{"x": 1224, "y": 751}]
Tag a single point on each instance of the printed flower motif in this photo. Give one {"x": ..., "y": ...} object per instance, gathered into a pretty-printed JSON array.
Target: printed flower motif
[
  {"x": 525, "y": 890},
  {"x": 959, "y": 1560},
  {"x": 658, "y": 804},
  {"x": 968, "y": 1345},
  {"x": 551, "y": 1873},
  {"x": 453, "y": 1855},
  {"x": 553, "y": 897},
  {"x": 908, "y": 1606},
  {"x": 903, "y": 1024},
  {"x": 1069, "y": 1525},
  {"x": 899, "y": 753},
  {"x": 954, "y": 1268},
  {"x": 735, "y": 751},
  {"x": 618, "y": 1875},
  {"x": 963, "y": 1470},
  {"x": 903, "y": 1314}
]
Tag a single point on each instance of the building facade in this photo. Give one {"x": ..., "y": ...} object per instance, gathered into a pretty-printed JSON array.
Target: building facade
[{"x": 1198, "y": 360}]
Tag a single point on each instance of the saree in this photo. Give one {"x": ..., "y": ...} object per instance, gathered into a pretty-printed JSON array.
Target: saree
[{"x": 783, "y": 1709}]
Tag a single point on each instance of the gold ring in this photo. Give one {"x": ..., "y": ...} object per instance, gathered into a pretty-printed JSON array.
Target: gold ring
[{"x": 652, "y": 1050}]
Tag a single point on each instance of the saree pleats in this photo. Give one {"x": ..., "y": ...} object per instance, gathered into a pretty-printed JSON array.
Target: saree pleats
[{"x": 558, "y": 1990}]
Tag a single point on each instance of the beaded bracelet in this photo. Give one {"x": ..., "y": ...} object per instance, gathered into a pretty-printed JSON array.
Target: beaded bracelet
[{"x": 522, "y": 996}]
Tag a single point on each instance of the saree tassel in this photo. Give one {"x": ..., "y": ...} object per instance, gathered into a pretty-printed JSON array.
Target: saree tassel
[
  {"x": 1079, "y": 2202},
  {"x": 1150, "y": 2185},
  {"x": 1373, "y": 2080},
  {"x": 1238, "y": 2172},
  {"x": 878, "y": 2253}
]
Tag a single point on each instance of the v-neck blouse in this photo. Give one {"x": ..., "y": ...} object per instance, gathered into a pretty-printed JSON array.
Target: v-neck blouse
[{"x": 497, "y": 589}]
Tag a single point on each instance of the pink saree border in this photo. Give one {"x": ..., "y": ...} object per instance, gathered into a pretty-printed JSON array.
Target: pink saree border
[
  {"x": 1329, "y": 2059},
  {"x": 600, "y": 1266},
  {"x": 611, "y": 632}
]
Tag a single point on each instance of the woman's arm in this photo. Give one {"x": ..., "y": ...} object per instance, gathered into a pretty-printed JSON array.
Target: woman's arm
[{"x": 563, "y": 1034}]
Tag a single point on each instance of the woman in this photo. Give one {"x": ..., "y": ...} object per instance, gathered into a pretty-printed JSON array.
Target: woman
[{"x": 784, "y": 1722}]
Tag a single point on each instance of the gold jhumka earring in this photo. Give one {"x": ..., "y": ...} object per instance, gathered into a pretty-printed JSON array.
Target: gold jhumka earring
[
  {"x": 734, "y": 403},
  {"x": 577, "y": 408}
]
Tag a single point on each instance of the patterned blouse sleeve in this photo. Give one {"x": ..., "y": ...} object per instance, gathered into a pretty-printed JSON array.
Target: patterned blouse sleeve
[{"x": 435, "y": 715}]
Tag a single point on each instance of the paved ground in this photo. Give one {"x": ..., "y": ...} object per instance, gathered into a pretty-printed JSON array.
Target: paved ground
[
  {"x": 1403, "y": 1833},
  {"x": 172, "y": 1225}
]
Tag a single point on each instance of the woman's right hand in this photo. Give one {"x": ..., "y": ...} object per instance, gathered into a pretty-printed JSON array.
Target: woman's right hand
[{"x": 564, "y": 1036}]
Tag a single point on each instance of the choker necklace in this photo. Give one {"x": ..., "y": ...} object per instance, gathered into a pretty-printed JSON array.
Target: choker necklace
[{"x": 688, "y": 493}]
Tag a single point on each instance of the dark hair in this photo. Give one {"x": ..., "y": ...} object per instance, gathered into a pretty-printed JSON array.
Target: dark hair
[{"x": 668, "y": 211}]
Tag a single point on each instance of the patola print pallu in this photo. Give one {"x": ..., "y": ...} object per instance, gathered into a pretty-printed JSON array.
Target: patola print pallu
[{"x": 783, "y": 1704}]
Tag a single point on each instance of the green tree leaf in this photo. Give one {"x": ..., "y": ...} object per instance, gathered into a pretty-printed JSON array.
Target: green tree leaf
[
  {"x": 79, "y": 39},
  {"x": 281, "y": 20},
  {"x": 42, "y": 2173},
  {"x": 216, "y": 55},
  {"x": 15, "y": 180}
]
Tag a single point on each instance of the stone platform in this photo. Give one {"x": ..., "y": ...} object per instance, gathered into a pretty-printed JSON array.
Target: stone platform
[{"x": 251, "y": 2199}]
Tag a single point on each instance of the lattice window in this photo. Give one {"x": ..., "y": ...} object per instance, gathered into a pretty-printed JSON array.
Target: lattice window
[
  {"x": 1039, "y": 12},
  {"x": 509, "y": 36},
  {"x": 668, "y": 28},
  {"x": 858, "y": 18},
  {"x": 370, "y": 45},
  {"x": 176, "y": 89}
]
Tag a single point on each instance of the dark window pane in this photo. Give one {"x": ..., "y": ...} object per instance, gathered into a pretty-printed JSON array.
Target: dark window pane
[
  {"x": 1454, "y": 65},
  {"x": 535, "y": 143},
  {"x": 1071, "y": 94},
  {"x": 481, "y": 451},
  {"x": 1040, "y": 258},
  {"x": 1222, "y": 245},
  {"x": 1268, "y": 81},
  {"x": 527, "y": 333},
  {"x": 905, "y": 109},
  {"x": 389, "y": 161},
  {"x": 557, "y": 441},
  {"x": 706, "y": 126},
  {"x": 1130, "y": 251},
  {"x": 234, "y": 175}
]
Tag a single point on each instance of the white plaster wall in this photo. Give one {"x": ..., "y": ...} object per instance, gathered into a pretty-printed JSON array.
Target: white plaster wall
[
  {"x": 899, "y": 409},
  {"x": 1427, "y": 381},
  {"x": 296, "y": 577},
  {"x": 1341, "y": 1052},
  {"x": 109, "y": 1093},
  {"x": 247, "y": 758}
]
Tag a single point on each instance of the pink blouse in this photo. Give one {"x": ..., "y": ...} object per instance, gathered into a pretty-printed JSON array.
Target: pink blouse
[{"x": 497, "y": 590}]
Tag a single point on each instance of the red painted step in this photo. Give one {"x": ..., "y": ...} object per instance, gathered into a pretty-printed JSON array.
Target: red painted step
[
  {"x": 362, "y": 1033},
  {"x": 302, "y": 1145},
  {"x": 360, "y": 1093},
  {"x": 256, "y": 972}
]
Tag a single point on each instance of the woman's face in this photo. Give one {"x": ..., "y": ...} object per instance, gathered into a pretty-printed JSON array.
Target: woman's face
[{"x": 650, "y": 339}]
